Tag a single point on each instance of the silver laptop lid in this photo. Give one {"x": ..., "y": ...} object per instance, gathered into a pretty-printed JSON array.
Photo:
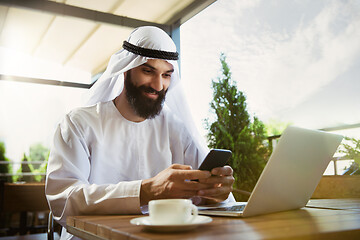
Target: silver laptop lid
[{"x": 293, "y": 171}]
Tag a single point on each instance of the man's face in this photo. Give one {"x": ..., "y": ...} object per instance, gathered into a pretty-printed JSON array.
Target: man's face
[{"x": 146, "y": 87}]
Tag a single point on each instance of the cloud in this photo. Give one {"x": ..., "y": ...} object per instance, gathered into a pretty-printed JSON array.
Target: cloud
[
  {"x": 280, "y": 52},
  {"x": 279, "y": 70}
]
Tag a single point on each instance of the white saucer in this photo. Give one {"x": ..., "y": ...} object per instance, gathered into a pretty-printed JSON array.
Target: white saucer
[{"x": 146, "y": 223}]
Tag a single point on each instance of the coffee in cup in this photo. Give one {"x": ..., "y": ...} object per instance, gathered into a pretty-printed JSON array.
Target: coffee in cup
[{"x": 172, "y": 211}]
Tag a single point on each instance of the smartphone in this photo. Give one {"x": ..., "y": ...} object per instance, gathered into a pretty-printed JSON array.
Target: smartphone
[{"x": 215, "y": 158}]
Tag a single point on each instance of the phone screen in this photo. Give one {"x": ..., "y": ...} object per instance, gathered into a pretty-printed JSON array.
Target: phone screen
[{"x": 215, "y": 158}]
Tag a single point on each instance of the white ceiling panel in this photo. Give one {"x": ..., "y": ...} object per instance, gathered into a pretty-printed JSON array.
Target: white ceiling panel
[
  {"x": 23, "y": 29},
  {"x": 97, "y": 50},
  {"x": 102, "y": 6},
  {"x": 63, "y": 37},
  {"x": 155, "y": 10},
  {"x": 83, "y": 34}
]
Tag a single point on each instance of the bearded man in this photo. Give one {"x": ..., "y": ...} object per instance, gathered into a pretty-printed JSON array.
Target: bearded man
[{"x": 134, "y": 142}]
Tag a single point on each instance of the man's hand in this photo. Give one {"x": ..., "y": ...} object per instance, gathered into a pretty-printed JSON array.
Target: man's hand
[
  {"x": 220, "y": 185},
  {"x": 173, "y": 182}
]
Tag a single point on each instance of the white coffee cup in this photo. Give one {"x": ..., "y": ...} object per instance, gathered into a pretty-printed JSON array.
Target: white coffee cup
[{"x": 172, "y": 211}]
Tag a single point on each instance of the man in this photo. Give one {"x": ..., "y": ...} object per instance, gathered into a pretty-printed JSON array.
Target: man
[{"x": 131, "y": 145}]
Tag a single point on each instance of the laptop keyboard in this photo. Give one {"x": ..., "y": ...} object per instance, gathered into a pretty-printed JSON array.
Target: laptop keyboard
[{"x": 235, "y": 208}]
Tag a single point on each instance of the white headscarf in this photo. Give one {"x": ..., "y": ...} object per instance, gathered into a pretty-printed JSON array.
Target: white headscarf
[{"x": 111, "y": 83}]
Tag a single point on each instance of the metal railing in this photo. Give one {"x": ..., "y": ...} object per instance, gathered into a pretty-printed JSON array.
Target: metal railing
[
  {"x": 22, "y": 173},
  {"x": 272, "y": 140}
]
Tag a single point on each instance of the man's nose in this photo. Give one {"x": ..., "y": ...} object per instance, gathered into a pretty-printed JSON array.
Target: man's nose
[{"x": 157, "y": 83}]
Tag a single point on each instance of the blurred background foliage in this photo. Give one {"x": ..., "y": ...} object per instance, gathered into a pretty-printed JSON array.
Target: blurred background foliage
[{"x": 32, "y": 168}]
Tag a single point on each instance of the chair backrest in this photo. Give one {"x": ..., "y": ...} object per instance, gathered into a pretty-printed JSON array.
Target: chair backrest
[
  {"x": 29, "y": 197},
  {"x": 21, "y": 199}
]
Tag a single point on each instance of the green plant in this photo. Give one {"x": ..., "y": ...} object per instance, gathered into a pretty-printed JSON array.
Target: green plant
[
  {"x": 275, "y": 127},
  {"x": 233, "y": 129},
  {"x": 26, "y": 168},
  {"x": 351, "y": 148},
  {"x": 38, "y": 153},
  {"x": 4, "y": 168},
  {"x": 35, "y": 163}
]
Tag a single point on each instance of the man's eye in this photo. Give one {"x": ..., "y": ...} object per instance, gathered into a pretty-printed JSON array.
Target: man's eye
[
  {"x": 167, "y": 75},
  {"x": 147, "y": 71}
]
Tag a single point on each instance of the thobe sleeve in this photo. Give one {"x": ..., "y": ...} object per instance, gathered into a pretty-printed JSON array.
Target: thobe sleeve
[{"x": 68, "y": 190}]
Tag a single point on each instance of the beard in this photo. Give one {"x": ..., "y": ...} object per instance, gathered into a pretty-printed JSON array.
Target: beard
[{"x": 143, "y": 106}]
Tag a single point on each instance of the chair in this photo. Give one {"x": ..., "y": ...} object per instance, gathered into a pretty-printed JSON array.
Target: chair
[
  {"x": 25, "y": 200},
  {"x": 51, "y": 234}
]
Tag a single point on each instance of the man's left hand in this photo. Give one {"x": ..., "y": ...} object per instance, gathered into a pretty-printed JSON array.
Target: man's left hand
[{"x": 220, "y": 185}]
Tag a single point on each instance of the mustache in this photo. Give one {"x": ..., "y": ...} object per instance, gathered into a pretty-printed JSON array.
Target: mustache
[{"x": 151, "y": 90}]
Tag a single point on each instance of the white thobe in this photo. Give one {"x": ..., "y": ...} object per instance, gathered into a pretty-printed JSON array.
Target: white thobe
[{"x": 99, "y": 158}]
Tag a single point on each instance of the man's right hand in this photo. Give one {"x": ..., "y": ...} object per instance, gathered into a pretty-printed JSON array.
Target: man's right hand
[{"x": 173, "y": 182}]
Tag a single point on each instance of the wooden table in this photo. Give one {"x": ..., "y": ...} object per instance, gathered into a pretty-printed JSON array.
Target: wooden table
[{"x": 320, "y": 219}]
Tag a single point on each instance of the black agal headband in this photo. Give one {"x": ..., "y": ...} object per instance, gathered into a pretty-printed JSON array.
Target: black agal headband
[{"x": 146, "y": 52}]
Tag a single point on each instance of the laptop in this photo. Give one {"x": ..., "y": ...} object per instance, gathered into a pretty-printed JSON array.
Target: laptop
[{"x": 290, "y": 176}]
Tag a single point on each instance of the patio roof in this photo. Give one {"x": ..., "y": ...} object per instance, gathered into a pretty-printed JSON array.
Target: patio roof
[{"x": 83, "y": 34}]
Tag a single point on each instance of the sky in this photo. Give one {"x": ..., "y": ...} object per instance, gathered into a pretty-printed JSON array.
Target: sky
[{"x": 296, "y": 62}]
